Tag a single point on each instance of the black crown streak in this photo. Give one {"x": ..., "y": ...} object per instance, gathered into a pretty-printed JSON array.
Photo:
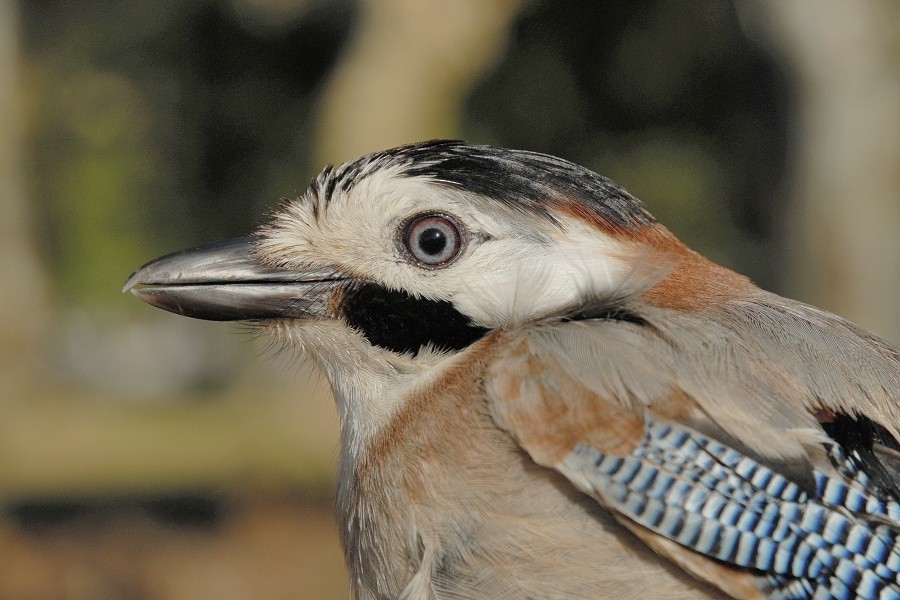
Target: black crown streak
[
  {"x": 402, "y": 323},
  {"x": 526, "y": 181}
]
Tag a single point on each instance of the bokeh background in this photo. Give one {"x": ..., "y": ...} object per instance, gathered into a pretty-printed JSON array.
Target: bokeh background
[{"x": 143, "y": 455}]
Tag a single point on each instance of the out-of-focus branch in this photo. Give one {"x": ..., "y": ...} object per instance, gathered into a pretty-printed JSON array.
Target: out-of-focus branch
[
  {"x": 844, "y": 233},
  {"x": 405, "y": 74},
  {"x": 24, "y": 314}
]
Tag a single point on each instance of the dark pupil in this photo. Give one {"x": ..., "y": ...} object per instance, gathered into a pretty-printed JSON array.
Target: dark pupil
[{"x": 432, "y": 241}]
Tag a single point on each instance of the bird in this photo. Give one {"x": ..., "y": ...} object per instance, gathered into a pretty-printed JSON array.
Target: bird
[{"x": 544, "y": 394}]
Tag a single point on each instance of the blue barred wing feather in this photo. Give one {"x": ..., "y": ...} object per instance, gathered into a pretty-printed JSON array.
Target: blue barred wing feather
[{"x": 837, "y": 541}]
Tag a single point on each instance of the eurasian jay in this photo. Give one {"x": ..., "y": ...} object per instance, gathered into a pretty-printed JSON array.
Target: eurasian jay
[{"x": 544, "y": 394}]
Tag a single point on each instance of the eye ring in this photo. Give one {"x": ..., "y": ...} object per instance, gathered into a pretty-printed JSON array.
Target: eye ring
[{"x": 432, "y": 239}]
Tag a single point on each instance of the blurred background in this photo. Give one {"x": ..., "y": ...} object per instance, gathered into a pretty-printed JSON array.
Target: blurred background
[{"x": 144, "y": 455}]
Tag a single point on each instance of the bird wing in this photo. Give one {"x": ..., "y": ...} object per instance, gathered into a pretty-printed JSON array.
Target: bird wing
[{"x": 753, "y": 444}]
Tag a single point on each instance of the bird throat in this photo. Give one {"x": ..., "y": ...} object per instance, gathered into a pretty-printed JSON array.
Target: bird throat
[{"x": 402, "y": 323}]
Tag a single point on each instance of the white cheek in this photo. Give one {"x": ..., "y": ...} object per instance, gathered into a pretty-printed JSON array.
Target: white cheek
[{"x": 509, "y": 288}]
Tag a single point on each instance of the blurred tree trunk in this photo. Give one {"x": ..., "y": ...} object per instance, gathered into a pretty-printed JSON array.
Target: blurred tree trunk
[
  {"x": 844, "y": 234},
  {"x": 407, "y": 71},
  {"x": 23, "y": 317}
]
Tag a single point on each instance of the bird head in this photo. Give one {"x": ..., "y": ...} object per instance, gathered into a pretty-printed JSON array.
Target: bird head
[{"x": 391, "y": 262}]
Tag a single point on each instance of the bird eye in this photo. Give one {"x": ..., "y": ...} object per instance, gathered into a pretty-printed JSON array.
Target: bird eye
[{"x": 433, "y": 239}]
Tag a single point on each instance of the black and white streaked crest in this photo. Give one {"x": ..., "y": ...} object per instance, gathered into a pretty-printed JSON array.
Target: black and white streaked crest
[{"x": 526, "y": 181}]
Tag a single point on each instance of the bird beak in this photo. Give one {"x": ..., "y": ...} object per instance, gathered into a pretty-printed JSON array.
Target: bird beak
[{"x": 226, "y": 281}]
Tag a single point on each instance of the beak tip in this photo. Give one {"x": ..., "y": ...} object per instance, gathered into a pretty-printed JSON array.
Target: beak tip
[{"x": 131, "y": 282}]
